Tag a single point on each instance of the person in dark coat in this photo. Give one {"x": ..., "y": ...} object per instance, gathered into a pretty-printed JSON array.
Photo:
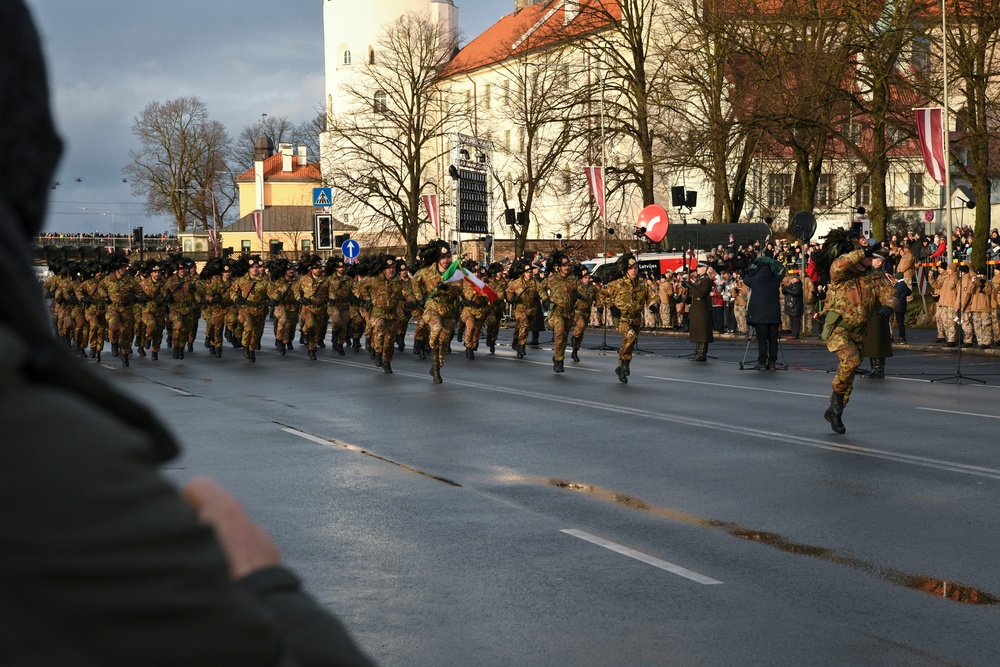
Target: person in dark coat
[
  {"x": 700, "y": 330},
  {"x": 104, "y": 562},
  {"x": 763, "y": 277},
  {"x": 902, "y": 292},
  {"x": 878, "y": 333},
  {"x": 794, "y": 304}
]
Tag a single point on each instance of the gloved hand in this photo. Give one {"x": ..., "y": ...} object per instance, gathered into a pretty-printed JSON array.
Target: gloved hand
[
  {"x": 887, "y": 312},
  {"x": 516, "y": 299},
  {"x": 216, "y": 298},
  {"x": 87, "y": 300},
  {"x": 654, "y": 309},
  {"x": 272, "y": 303},
  {"x": 467, "y": 303},
  {"x": 615, "y": 312},
  {"x": 305, "y": 301},
  {"x": 240, "y": 300},
  {"x": 574, "y": 295},
  {"x": 168, "y": 298},
  {"x": 872, "y": 249}
]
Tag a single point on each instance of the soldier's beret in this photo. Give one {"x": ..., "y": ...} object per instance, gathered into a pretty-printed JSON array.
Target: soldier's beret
[
  {"x": 389, "y": 263},
  {"x": 254, "y": 261}
]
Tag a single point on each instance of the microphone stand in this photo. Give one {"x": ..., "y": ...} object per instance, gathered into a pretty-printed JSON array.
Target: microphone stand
[{"x": 957, "y": 376}]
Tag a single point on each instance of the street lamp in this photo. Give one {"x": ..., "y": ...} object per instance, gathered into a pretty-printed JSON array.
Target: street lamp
[{"x": 105, "y": 211}]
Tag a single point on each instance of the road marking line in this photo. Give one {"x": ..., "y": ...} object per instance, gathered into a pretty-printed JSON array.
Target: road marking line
[
  {"x": 645, "y": 558},
  {"x": 179, "y": 391},
  {"x": 736, "y": 386},
  {"x": 956, "y": 412},
  {"x": 309, "y": 437}
]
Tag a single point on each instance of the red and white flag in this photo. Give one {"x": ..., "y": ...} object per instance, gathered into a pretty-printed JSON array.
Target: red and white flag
[
  {"x": 595, "y": 177},
  {"x": 431, "y": 204},
  {"x": 258, "y": 225},
  {"x": 213, "y": 239},
  {"x": 930, "y": 132}
]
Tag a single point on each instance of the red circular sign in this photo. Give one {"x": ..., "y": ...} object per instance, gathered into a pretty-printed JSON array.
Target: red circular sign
[
  {"x": 655, "y": 220},
  {"x": 929, "y": 215}
]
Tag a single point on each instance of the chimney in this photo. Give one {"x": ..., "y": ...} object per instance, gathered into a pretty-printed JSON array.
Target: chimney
[{"x": 303, "y": 157}]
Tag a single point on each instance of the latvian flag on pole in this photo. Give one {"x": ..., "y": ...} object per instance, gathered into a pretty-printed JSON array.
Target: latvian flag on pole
[
  {"x": 431, "y": 204},
  {"x": 930, "y": 132},
  {"x": 213, "y": 239},
  {"x": 456, "y": 274},
  {"x": 595, "y": 177},
  {"x": 257, "y": 226}
]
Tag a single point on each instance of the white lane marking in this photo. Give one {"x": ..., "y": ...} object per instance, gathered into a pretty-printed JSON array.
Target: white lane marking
[
  {"x": 772, "y": 436},
  {"x": 955, "y": 412},
  {"x": 645, "y": 558},
  {"x": 736, "y": 386},
  {"x": 179, "y": 391},
  {"x": 307, "y": 436}
]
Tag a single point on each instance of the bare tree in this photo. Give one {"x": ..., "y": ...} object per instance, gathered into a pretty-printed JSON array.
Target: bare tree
[
  {"x": 544, "y": 106},
  {"x": 181, "y": 151},
  {"x": 973, "y": 33},
  {"x": 280, "y": 130},
  {"x": 381, "y": 148}
]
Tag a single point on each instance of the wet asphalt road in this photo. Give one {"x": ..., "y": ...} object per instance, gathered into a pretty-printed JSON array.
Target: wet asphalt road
[{"x": 699, "y": 515}]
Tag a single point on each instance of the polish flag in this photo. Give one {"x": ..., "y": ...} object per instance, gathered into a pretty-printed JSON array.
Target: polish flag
[
  {"x": 431, "y": 204},
  {"x": 930, "y": 132},
  {"x": 595, "y": 177}
]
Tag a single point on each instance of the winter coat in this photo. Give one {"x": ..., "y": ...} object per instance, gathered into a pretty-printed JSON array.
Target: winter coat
[
  {"x": 793, "y": 298},
  {"x": 765, "y": 305}
]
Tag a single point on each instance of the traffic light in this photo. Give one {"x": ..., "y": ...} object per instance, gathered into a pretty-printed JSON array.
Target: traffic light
[
  {"x": 323, "y": 231},
  {"x": 137, "y": 235}
]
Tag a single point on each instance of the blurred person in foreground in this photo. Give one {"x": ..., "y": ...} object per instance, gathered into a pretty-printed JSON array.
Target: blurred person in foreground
[
  {"x": 853, "y": 295},
  {"x": 103, "y": 562}
]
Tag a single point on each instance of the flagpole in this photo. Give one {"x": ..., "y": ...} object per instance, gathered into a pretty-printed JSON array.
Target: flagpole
[{"x": 944, "y": 133}]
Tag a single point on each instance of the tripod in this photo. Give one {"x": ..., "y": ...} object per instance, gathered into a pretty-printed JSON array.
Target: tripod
[
  {"x": 781, "y": 351},
  {"x": 604, "y": 347},
  {"x": 957, "y": 376}
]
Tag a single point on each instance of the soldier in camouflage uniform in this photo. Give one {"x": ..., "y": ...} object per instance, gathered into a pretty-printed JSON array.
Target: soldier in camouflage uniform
[
  {"x": 440, "y": 302},
  {"x": 224, "y": 315},
  {"x": 495, "y": 311},
  {"x": 996, "y": 307},
  {"x": 562, "y": 288},
  {"x": 421, "y": 330},
  {"x": 312, "y": 291},
  {"x": 627, "y": 297},
  {"x": 946, "y": 290},
  {"x": 385, "y": 291},
  {"x": 405, "y": 311},
  {"x": 854, "y": 294},
  {"x": 981, "y": 308},
  {"x": 522, "y": 293},
  {"x": 95, "y": 305},
  {"x": 474, "y": 308},
  {"x": 964, "y": 313},
  {"x": 121, "y": 290},
  {"x": 581, "y": 310},
  {"x": 179, "y": 295},
  {"x": 339, "y": 307},
  {"x": 80, "y": 334},
  {"x": 154, "y": 309},
  {"x": 250, "y": 294},
  {"x": 282, "y": 298}
]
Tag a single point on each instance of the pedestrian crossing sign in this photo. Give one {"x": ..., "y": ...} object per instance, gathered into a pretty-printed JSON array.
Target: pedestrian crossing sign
[{"x": 322, "y": 197}]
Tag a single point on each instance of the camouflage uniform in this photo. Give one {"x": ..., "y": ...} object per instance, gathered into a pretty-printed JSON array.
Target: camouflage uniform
[
  {"x": 339, "y": 309},
  {"x": 194, "y": 315},
  {"x": 741, "y": 295},
  {"x": 495, "y": 311},
  {"x": 153, "y": 311},
  {"x": 421, "y": 332},
  {"x": 981, "y": 309},
  {"x": 440, "y": 308},
  {"x": 95, "y": 304},
  {"x": 665, "y": 294},
  {"x": 180, "y": 297},
  {"x": 562, "y": 292},
  {"x": 629, "y": 296},
  {"x": 386, "y": 296},
  {"x": 854, "y": 297},
  {"x": 946, "y": 288},
  {"x": 282, "y": 297},
  {"x": 581, "y": 314},
  {"x": 250, "y": 294},
  {"x": 224, "y": 314},
  {"x": 121, "y": 290},
  {"x": 474, "y": 309},
  {"x": 996, "y": 308},
  {"x": 522, "y": 292},
  {"x": 966, "y": 287},
  {"x": 313, "y": 294}
]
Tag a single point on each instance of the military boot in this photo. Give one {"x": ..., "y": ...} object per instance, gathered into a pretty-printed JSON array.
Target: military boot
[
  {"x": 208, "y": 343},
  {"x": 625, "y": 366},
  {"x": 834, "y": 412},
  {"x": 878, "y": 369},
  {"x": 557, "y": 365},
  {"x": 155, "y": 355},
  {"x": 519, "y": 348},
  {"x": 281, "y": 347},
  {"x": 386, "y": 367},
  {"x": 180, "y": 352},
  {"x": 97, "y": 357},
  {"x": 340, "y": 349},
  {"x": 288, "y": 346},
  {"x": 93, "y": 352},
  {"x": 400, "y": 342},
  {"x": 312, "y": 354},
  {"x": 176, "y": 354},
  {"x": 191, "y": 346},
  {"x": 622, "y": 375},
  {"x": 378, "y": 358},
  {"x": 114, "y": 349},
  {"x": 142, "y": 350},
  {"x": 357, "y": 344},
  {"x": 492, "y": 344},
  {"x": 246, "y": 352},
  {"x": 436, "y": 366},
  {"x": 125, "y": 359},
  {"x": 470, "y": 354},
  {"x": 574, "y": 355}
]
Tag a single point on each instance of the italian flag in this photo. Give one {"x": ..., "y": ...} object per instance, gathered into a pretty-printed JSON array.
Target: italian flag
[{"x": 456, "y": 274}]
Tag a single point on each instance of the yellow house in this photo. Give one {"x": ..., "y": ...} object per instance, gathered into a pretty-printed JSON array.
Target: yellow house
[{"x": 280, "y": 190}]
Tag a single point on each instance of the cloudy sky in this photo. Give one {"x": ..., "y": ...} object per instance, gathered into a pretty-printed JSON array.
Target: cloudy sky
[{"x": 108, "y": 59}]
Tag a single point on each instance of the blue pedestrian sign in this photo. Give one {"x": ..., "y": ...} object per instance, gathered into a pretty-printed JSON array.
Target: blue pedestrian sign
[
  {"x": 322, "y": 197},
  {"x": 351, "y": 249}
]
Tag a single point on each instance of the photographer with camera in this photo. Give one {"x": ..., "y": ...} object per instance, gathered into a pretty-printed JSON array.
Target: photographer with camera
[{"x": 763, "y": 277}]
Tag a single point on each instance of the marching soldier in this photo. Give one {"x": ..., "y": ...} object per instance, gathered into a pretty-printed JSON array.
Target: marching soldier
[
  {"x": 95, "y": 304},
  {"x": 179, "y": 294},
  {"x": 339, "y": 309},
  {"x": 121, "y": 294},
  {"x": 312, "y": 291},
  {"x": 403, "y": 273},
  {"x": 250, "y": 294},
  {"x": 852, "y": 296},
  {"x": 627, "y": 297},
  {"x": 281, "y": 295},
  {"x": 385, "y": 292},
  {"x": 224, "y": 315},
  {"x": 440, "y": 302},
  {"x": 154, "y": 309},
  {"x": 562, "y": 289},
  {"x": 495, "y": 311},
  {"x": 474, "y": 307},
  {"x": 581, "y": 310},
  {"x": 522, "y": 293}
]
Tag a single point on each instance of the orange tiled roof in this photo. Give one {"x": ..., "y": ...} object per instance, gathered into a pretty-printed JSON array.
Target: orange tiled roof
[
  {"x": 273, "y": 172},
  {"x": 534, "y": 27}
]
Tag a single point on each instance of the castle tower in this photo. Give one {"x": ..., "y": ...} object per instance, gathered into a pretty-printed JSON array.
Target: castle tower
[{"x": 351, "y": 31}]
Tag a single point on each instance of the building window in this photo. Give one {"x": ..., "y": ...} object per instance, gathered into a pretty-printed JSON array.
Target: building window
[
  {"x": 347, "y": 57},
  {"x": 916, "y": 189},
  {"x": 862, "y": 191},
  {"x": 506, "y": 139},
  {"x": 380, "y": 105},
  {"x": 188, "y": 245},
  {"x": 371, "y": 56},
  {"x": 854, "y": 132},
  {"x": 825, "y": 191},
  {"x": 506, "y": 93},
  {"x": 306, "y": 245},
  {"x": 487, "y": 94},
  {"x": 779, "y": 187},
  {"x": 245, "y": 247}
]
